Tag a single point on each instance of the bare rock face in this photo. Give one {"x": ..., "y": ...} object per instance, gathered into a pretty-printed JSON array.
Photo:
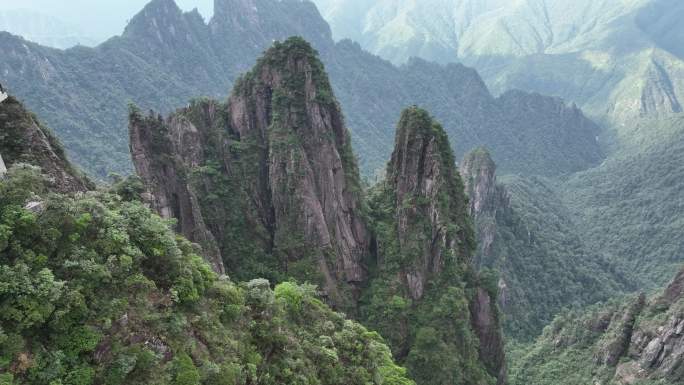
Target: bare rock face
[
  {"x": 432, "y": 219},
  {"x": 487, "y": 199},
  {"x": 286, "y": 103},
  {"x": 486, "y": 322},
  {"x": 161, "y": 151},
  {"x": 636, "y": 341},
  {"x": 274, "y": 163},
  {"x": 657, "y": 348},
  {"x": 478, "y": 171},
  {"x": 24, "y": 140},
  {"x": 612, "y": 349}
]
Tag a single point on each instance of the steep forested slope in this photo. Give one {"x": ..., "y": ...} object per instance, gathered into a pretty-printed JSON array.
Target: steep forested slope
[
  {"x": 98, "y": 290},
  {"x": 23, "y": 139},
  {"x": 165, "y": 57},
  {"x": 629, "y": 341},
  {"x": 525, "y": 233},
  {"x": 629, "y": 208}
]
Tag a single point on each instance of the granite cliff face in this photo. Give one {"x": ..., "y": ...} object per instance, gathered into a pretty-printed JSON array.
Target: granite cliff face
[
  {"x": 633, "y": 341},
  {"x": 23, "y": 139},
  {"x": 486, "y": 197},
  {"x": 424, "y": 246},
  {"x": 274, "y": 165},
  {"x": 432, "y": 218},
  {"x": 163, "y": 152}
]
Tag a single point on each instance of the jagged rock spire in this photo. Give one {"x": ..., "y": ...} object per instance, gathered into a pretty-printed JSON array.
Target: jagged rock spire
[
  {"x": 280, "y": 157},
  {"x": 432, "y": 213}
]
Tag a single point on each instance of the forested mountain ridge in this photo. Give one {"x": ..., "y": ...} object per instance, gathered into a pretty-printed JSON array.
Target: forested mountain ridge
[
  {"x": 165, "y": 57},
  {"x": 270, "y": 176},
  {"x": 97, "y": 289},
  {"x": 629, "y": 208}
]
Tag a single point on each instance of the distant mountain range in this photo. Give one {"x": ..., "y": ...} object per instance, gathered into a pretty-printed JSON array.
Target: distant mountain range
[
  {"x": 165, "y": 57},
  {"x": 618, "y": 59},
  {"x": 621, "y": 61},
  {"x": 43, "y": 29}
]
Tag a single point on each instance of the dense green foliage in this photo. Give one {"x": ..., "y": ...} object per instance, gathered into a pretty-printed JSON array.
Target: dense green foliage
[
  {"x": 629, "y": 208},
  {"x": 545, "y": 263},
  {"x": 96, "y": 289}
]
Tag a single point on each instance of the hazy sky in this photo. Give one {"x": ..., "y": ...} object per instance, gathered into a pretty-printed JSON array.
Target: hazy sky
[{"x": 98, "y": 19}]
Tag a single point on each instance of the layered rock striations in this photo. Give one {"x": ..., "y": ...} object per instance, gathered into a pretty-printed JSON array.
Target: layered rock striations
[
  {"x": 272, "y": 169},
  {"x": 23, "y": 139},
  {"x": 487, "y": 199},
  {"x": 432, "y": 218}
]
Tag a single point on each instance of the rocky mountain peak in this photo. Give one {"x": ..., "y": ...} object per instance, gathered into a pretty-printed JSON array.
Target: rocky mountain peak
[
  {"x": 287, "y": 102},
  {"x": 158, "y": 15},
  {"x": 479, "y": 176},
  {"x": 272, "y": 169},
  {"x": 431, "y": 206},
  {"x": 486, "y": 199},
  {"x": 259, "y": 21},
  {"x": 23, "y": 139}
]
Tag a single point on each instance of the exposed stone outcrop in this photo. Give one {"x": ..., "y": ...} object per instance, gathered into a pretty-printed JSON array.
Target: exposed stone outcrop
[
  {"x": 280, "y": 146},
  {"x": 3, "y": 168},
  {"x": 633, "y": 341},
  {"x": 434, "y": 234},
  {"x": 656, "y": 346},
  {"x": 487, "y": 325},
  {"x": 24, "y": 140},
  {"x": 286, "y": 103},
  {"x": 161, "y": 150},
  {"x": 487, "y": 200},
  {"x": 622, "y": 326},
  {"x": 427, "y": 188}
]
